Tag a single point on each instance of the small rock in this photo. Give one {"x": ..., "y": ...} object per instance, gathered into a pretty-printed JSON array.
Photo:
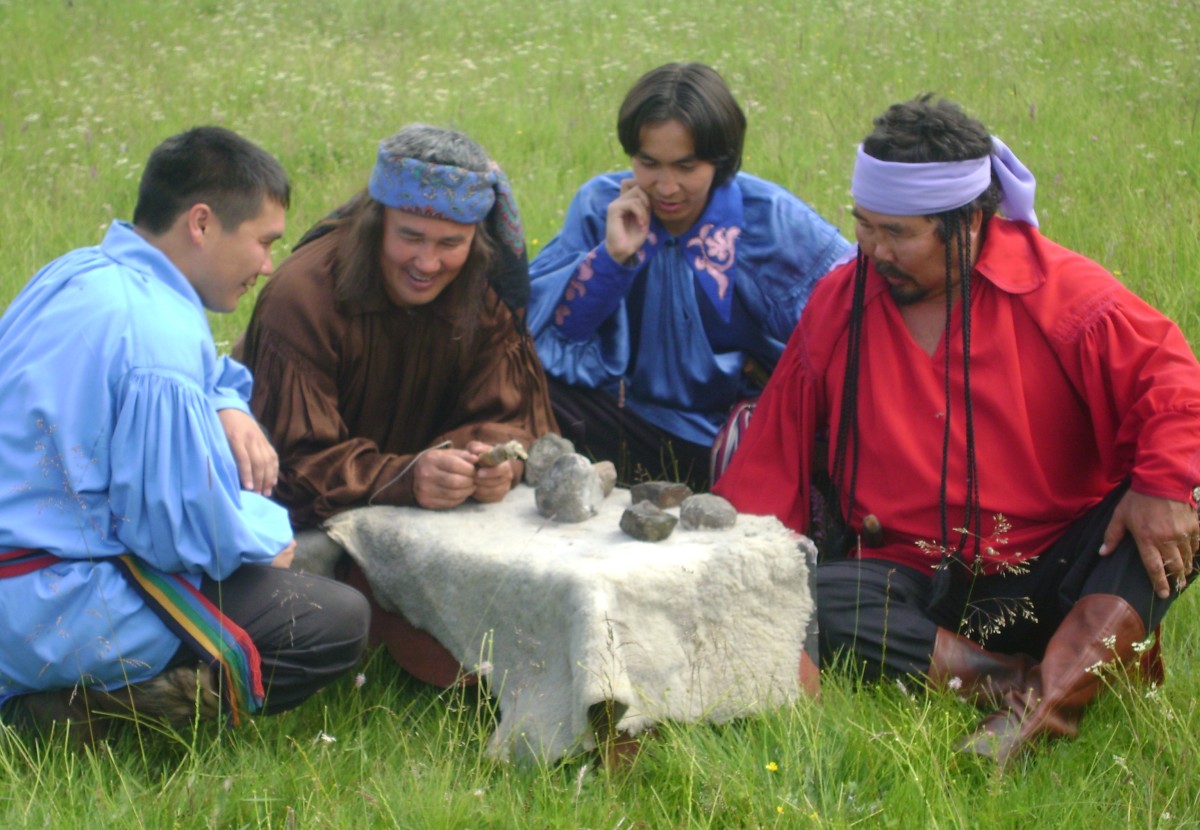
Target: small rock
[
  {"x": 661, "y": 494},
  {"x": 570, "y": 491},
  {"x": 542, "y": 455},
  {"x": 707, "y": 511},
  {"x": 607, "y": 471},
  {"x": 647, "y": 523}
]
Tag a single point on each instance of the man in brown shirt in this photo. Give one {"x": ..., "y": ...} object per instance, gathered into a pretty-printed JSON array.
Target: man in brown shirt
[{"x": 389, "y": 350}]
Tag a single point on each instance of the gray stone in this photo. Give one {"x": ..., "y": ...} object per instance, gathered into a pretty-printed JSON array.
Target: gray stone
[
  {"x": 607, "y": 471},
  {"x": 542, "y": 455},
  {"x": 707, "y": 511},
  {"x": 645, "y": 522},
  {"x": 662, "y": 494},
  {"x": 570, "y": 490}
]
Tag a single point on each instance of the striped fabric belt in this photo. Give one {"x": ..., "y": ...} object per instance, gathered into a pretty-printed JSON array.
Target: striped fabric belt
[
  {"x": 195, "y": 620},
  {"x": 23, "y": 560}
]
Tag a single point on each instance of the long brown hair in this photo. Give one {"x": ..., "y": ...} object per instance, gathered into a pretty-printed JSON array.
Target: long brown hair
[{"x": 358, "y": 271}]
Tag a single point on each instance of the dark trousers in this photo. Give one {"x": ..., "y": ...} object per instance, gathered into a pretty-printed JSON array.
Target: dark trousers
[
  {"x": 605, "y": 431},
  {"x": 879, "y": 611},
  {"x": 308, "y": 629}
]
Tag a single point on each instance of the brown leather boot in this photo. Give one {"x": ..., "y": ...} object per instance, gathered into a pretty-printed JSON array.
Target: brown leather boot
[
  {"x": 59, "y": 715},
  {"x": 1100, "y": 629},
  {"x": 977, "y": 675},
  {"x": 176, "y": 697},
  {"x": 86, "y": 716}
]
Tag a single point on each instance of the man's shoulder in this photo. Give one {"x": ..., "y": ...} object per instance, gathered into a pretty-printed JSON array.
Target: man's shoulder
[
  {"x": 598, "y": 191},
  {"x": 1062, "y": 291},
  {"x": 1019, "y": 260},
  {"x": 833, "y": 293},
  {"x": 761, "y": 193},
  {"x": 826, "y": 316}
]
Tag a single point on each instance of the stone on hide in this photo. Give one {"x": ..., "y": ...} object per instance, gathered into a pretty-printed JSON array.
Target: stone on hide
[
  {"x": 662, "y": 494},
  {"x": 542, "y": 455},
  {"x": 570, "y": 490},
  {"x": 607, "y": 471},
  {"x": 647, "y": 523},
  {"x": 707, "y": 511}
]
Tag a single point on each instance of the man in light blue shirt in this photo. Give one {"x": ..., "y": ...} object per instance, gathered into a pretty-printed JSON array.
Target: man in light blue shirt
[{"x": 136, "y": 536}]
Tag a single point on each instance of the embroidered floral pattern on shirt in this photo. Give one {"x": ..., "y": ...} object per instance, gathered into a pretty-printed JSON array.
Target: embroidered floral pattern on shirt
[
  {"x": 576, "y": 287},
  {"x": 718, "y": 249}
]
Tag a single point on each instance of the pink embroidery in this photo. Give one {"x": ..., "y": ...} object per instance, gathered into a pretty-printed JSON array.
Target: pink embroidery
[
  {"x": 575, "y": 288},
  {"x": 718, "y": 248}
]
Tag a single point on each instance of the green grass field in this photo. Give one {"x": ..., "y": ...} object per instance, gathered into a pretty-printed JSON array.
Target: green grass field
[{"x": 1100, "y": 99}]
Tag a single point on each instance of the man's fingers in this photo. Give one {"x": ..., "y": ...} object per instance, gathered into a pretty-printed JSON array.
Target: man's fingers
[
  {"x": 1155, "y": 563},
  {"x": 245, "y": 466},
  {"x": 1113, "y": 534}
]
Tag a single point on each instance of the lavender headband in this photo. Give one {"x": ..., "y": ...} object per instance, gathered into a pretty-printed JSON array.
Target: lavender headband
[
  {"x": 447, "y": 192},
  {"x": 921, "y": 189}
]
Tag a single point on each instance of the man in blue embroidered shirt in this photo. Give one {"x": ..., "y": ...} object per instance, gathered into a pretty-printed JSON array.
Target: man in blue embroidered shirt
[
  {"x": 136, "y": 536},
  {"x": 671, "y": 290}
]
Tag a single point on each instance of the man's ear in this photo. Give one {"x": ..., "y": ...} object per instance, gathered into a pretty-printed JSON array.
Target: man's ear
[
  {"x": 976, "y": 221},
  {"x": 200, "y": 221}
]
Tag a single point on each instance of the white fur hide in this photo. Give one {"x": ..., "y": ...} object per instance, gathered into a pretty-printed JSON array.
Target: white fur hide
[{"x": 707, "y": 624}]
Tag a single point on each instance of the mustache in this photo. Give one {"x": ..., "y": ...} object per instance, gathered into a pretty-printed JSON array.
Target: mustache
[{"x": 886, "y": 269}]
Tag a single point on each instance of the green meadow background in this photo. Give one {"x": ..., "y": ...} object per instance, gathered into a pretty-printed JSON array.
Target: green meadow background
[{"x": 1101, "y": 99}]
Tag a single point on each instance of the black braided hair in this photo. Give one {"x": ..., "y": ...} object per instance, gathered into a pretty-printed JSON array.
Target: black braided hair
[
  {"x": 957, "y": 234},
  {"x": 926, "y": 129},
  {"x": 847, "y": 429}
]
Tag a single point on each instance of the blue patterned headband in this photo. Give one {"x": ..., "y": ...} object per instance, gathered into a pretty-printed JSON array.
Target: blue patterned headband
[{"x": 446, "y": 192}]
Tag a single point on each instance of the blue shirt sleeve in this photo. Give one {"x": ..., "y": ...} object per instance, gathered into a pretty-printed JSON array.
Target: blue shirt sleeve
[
  {"x": 593, "y": 349},
  {"x": 231, "y": 385},
  {"x": 174, "y": 486}
]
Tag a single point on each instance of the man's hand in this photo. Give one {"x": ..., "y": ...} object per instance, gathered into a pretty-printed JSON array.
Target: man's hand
[
  {"x": 627, "y": 222},
  {"x": 283, "y": 559},
  {"x": 444, "y": 478},
  {"x": 1166, "y": 532},
  {"x": 493, "y": 483},
  {"x": 257, "y": 463}
]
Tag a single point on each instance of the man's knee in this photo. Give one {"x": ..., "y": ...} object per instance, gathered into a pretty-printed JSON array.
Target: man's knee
[
  {"x": 336, "y": 614},
  {"x": 872, "y": 613}
]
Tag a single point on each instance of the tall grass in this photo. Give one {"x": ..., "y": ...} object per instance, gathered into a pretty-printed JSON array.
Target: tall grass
[{"x": 1100, "y": 100}]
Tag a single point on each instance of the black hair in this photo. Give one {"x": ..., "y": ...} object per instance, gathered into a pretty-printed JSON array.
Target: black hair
[
  {"x": 210, "y": 165},
  {"x": 696, "y": 96}
]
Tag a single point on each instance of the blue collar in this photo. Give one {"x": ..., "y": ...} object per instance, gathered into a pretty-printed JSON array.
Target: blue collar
[{"x": 709, "y": 245}]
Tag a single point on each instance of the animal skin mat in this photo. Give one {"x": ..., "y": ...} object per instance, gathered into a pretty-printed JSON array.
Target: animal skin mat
[{"x": 705, "y": 625}]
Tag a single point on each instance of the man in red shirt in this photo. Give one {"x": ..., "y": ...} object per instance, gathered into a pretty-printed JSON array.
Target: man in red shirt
[{"x": 1013, "y": 438}]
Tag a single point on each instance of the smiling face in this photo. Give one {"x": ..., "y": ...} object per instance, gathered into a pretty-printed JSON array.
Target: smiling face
[
  {"x": 421, "y": 256},
  {"x": 667, "y": 169},
  {"x": 909, "y": 253},
  {"x": 231, "y": 260}
]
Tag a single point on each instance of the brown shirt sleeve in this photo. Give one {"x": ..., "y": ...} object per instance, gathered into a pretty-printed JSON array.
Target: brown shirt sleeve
[{"x": 324, "y": 469}]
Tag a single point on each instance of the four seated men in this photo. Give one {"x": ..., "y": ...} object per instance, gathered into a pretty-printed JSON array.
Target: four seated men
[{"x": 1013, "y": 438}]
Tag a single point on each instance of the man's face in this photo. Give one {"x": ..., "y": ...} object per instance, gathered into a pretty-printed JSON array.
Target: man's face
[
  {"x": 421, "y": 256},
  {"x": 666, "y": 168},
  {"x": 233, "y": 259},
  {"x": 907, "y": 252}
]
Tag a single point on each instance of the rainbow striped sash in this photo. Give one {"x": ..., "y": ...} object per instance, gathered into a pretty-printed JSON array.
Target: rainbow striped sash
[
  {"x": 23, "y": 560},
  {"x": 218, "y": 640},
  {"x": 200, "y": 624}
]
